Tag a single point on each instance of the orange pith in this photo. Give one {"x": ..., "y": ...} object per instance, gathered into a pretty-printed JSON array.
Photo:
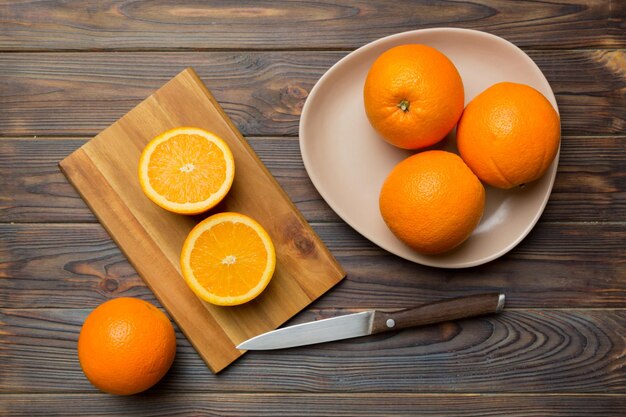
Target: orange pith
[
  {"x": 228, "y": 259},
  {"x": 186, "y": 170}
]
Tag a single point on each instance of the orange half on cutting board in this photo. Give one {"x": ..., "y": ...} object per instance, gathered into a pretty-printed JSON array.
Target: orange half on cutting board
[
  {"x": 228, "y": 259},
  {"x": 186, "y": 170}
]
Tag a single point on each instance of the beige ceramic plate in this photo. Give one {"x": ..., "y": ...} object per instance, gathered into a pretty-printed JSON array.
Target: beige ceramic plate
[{"x": 348, "y": 162}]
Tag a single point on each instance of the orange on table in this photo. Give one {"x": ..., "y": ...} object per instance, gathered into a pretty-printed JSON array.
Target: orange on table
[
  {"x": 186, "y": 170},
  {"x": 432, "y": 201},
  {"x": 413, "y": 96},
  {"x": 228, "y": 259},
  {"x": 509, "y": 135},
  {"x": 126, "y": 345}
]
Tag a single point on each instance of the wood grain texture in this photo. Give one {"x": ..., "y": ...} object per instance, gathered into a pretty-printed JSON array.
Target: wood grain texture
[
  {"x": 540, "y": 351},
  {"x": 272, "y": 405},
  {"x": 590, "y": 185},
  {"x": 70, "y": 68},
  {"x": 556, "y": 266},
  {"x": 450, "y": 309},
  {"x": 262, "y": 92},
  {"x": 104, "y": 172},
  {"x": 120, "y": 25}
]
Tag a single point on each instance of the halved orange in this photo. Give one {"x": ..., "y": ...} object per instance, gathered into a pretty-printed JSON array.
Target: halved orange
[
  {"x": 228, "y": 259},
  {"x": 186, "y": 170}
]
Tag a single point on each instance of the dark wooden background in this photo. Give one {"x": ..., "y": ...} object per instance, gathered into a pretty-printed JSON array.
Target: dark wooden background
[{"x": 70, "y": 68}]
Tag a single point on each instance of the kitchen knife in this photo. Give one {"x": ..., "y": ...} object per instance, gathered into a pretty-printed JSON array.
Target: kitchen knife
[{"x": 375, "y": 321}]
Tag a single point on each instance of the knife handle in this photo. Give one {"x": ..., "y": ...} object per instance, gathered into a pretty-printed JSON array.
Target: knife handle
[{"x": 446, "y": 310}]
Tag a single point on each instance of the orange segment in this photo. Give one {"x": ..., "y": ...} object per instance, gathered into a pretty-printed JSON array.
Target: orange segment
[
  {"x": 186, "y": 170},
  {"x": 228, "y": 259}
]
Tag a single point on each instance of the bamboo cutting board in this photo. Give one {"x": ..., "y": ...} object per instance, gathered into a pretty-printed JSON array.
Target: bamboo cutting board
[{"x": 104, "y": 171}]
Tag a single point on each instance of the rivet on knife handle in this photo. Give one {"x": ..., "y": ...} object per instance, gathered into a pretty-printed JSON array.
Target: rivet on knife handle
[{"x": 446, "y": 310}]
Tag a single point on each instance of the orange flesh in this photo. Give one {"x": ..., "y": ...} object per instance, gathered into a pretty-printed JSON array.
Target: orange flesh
[
  {"x": 187, "y": 168},
  {"x": 227, "y": 266}
]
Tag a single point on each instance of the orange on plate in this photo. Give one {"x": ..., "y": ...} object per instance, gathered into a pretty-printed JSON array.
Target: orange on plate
[
  {"x": 186, "y": 170},
  {"x": 126, "y": 345},
  {"x": 509, "y": 135},
  {"x": 432, "y": 201},
  {"x": 228, "y": 259},
  {"x": 413, "y": 96}
]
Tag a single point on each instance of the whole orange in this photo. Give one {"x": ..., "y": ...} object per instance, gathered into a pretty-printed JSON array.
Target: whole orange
[
  {"x": 413, "y": 96},
  {"x": 432, "y": 201},
  {"x": 509, "y": 135},
  {"x": 126, "y": 345}
]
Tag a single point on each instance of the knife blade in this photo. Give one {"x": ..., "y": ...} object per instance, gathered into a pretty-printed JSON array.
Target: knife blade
[{"x": 375, "y": 321}]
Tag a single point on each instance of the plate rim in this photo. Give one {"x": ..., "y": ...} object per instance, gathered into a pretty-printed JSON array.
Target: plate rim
[{"x": 424, "y": 259}]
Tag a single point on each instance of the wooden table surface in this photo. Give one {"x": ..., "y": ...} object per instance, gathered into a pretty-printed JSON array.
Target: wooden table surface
[{"x": 70, "y": 68}]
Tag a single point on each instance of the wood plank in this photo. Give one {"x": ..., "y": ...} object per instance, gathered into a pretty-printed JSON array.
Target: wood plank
[
  {"x": 559, "y": 265},
  {"x": 590, "y": 185},
  {"x": 272, "y": 405},
  {"x": 104, "y": 172},
  {"x": 262, "y": 92},
  {"x": 36, "y": 191},
  {"x": 538, "y": 351},
  {"x": 116, "y": 25}
]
